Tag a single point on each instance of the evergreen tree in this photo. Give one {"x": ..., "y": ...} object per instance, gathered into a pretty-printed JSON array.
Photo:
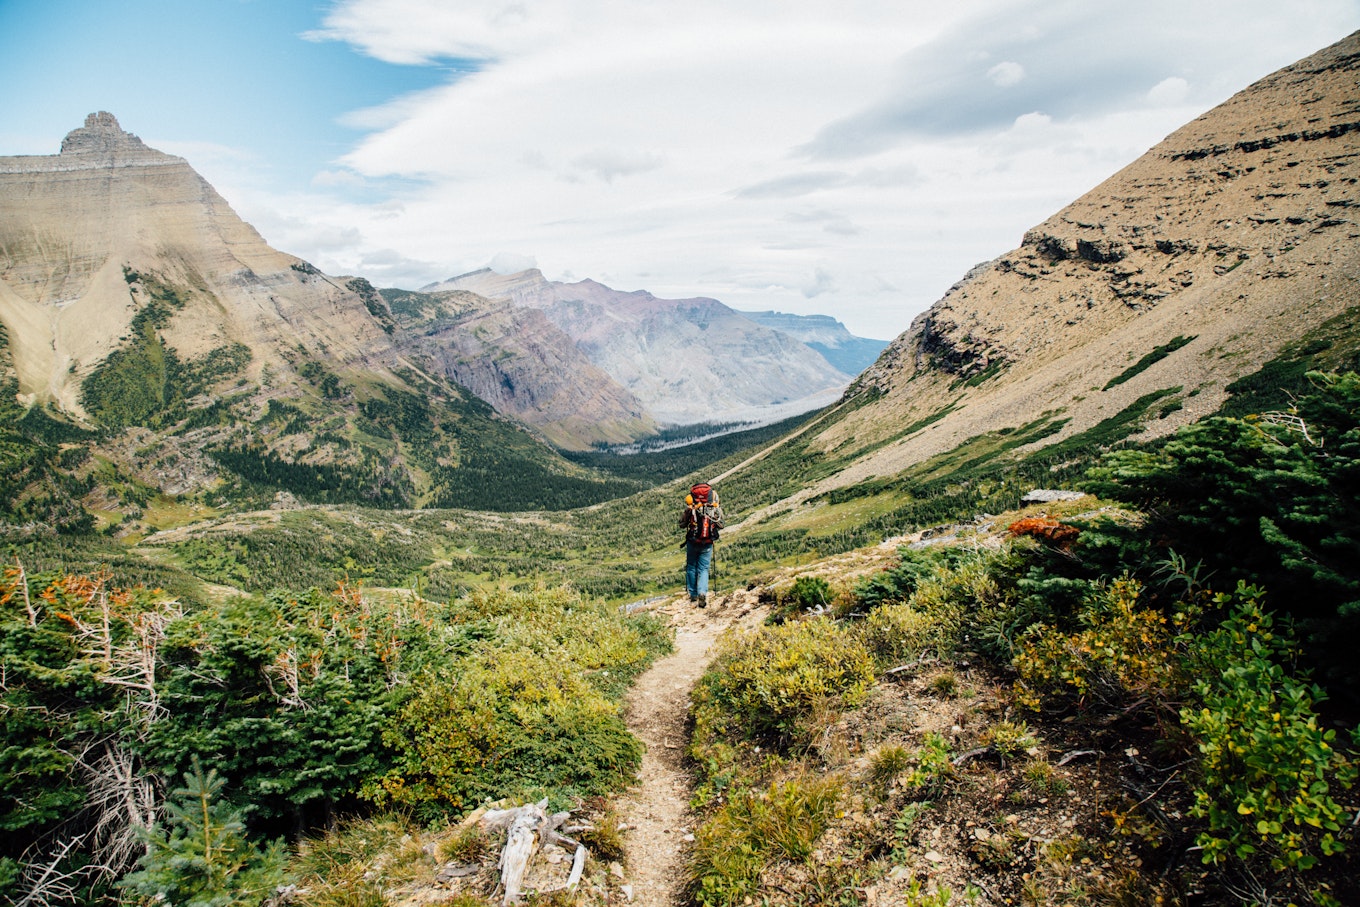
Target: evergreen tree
[
  {"x": 200, "y": 857},
  {"x": 1269, "y": 499}
]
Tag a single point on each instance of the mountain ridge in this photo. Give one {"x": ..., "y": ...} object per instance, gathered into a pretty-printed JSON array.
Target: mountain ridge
[{"x": 1236, "y": 234}]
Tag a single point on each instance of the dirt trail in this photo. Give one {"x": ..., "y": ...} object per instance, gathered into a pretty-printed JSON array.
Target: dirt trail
[{"x": 657, "y": 810}]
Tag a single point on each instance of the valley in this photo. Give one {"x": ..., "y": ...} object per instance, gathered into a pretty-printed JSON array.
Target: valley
[{"x": 362, "y": 566}]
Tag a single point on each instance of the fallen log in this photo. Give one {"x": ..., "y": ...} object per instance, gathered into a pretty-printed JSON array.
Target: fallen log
[{"x": 528, "y": 828}]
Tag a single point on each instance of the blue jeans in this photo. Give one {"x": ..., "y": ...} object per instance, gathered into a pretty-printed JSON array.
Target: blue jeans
[{"x": 698, "y": 558}]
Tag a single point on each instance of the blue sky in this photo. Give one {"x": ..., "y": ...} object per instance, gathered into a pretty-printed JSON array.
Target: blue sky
[
  {"x": 235, "y": 74},
  {"x": 852, "y": 158}
]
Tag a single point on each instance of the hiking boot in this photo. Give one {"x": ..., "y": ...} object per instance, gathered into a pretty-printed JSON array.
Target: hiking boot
[{"x": 703, "y": 601}]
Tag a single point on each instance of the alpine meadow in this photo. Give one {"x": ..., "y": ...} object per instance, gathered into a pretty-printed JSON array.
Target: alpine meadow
[{"x": 329, "y": 594}]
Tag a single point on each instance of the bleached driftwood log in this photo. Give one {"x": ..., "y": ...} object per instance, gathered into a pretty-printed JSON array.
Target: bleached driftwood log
[
  {"x": 520, "y": 844},
  {"x": 528, "y": 828}
]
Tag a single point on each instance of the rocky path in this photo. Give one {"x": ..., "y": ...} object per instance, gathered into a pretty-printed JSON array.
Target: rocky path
[{"x": 657, "y": 810}]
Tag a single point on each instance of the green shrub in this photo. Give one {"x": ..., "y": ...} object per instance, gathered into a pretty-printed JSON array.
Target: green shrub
[
  {"x": 1268, "y": 770},
  {"x": 1009, "y": 738},
  {"x": 897, "y": 583},
  {"x": 1157, "y": 355},
  {"x": 1125, "y": 651},
  {"x": 767, "y": 683},
  {"x": 1269, "y": 500},
  {"x": 900, "y": 632},
  {"x": 933, "y": 771},
  {"x": 511, "y": 724},
  {"x": 781, "y": 822},
  {"x": 808, "y": 593},
  {"x": 958, "y": 597},
  {"x": 528, "y": 713}
]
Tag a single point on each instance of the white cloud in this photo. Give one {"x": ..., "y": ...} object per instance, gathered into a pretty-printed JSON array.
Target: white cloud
[
  {"x": 732, "y": 150},
  {"x": 1004, "y": 75},
  {"x": 821, "y": 282},
  {"x": 1169, "y": 92},
  {"x": 609, "y": 163}
]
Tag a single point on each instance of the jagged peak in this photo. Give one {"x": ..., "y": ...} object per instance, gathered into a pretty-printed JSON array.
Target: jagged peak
[{"x": 100, "y": 134}]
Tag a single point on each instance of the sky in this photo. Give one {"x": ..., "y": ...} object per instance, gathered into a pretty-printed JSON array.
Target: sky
[{"x": 850, "y": 158}]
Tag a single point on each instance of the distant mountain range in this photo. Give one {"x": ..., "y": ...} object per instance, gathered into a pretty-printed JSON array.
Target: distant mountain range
[
  {"x": 140, "y": 311},
  {"x": 826, "y": 335},
  {"x": 684, "y": 360}
]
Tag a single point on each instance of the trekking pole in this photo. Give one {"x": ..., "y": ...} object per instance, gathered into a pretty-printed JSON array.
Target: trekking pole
[{"x": 713, "y": 572}]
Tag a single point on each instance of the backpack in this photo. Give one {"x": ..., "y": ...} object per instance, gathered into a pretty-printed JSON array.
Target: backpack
[
  {"x": 705, "y": 518},
  {"x": 701, "y": 493}
]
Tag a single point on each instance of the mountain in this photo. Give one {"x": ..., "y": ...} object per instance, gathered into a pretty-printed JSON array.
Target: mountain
[
  {"x": 95, "y": 235},
  {"x": 687, "y": 360},
  {"x": 519, "y": 362},
  {"x": 1194, "y": 273},
  {"x": 827, "y": 336},
  {"x": 149, "y": 327}
]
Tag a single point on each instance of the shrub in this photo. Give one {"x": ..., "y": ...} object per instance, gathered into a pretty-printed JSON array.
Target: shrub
[
  {"x": 808, "y": 593},
  {"x": 1269, "y": 500},
  {"x": 511, "y": 724},
  {"x": 934, "y": 769},
  {"x": 1009, "y": 738},
  {"x": 201, "y": 857},
  {"x": 1125, "y": 651},
  {"x": 901, "y": 632},
  {"x": 896, "y": 584},
  {"x": 766, "y": 683},
  {"x": 1268, "y": 771},
  {"x": 783, "y": 821}
]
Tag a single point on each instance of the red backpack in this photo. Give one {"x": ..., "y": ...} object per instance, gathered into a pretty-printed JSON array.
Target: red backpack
[{"x": 705, "y": 519}]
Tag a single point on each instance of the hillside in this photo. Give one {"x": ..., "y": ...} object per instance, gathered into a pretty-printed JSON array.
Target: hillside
[
  {"x": 157, "y": 353},
  {"x": 1216, "y": 252}
]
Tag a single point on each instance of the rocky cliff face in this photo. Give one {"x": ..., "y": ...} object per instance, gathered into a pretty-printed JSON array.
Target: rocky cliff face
[
  {"x": 686, "y": 360},
  {"x": 1235, "y": 235}
]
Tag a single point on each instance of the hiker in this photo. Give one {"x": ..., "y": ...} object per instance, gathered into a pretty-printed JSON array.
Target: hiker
[{"x": 701, "y": 518}]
